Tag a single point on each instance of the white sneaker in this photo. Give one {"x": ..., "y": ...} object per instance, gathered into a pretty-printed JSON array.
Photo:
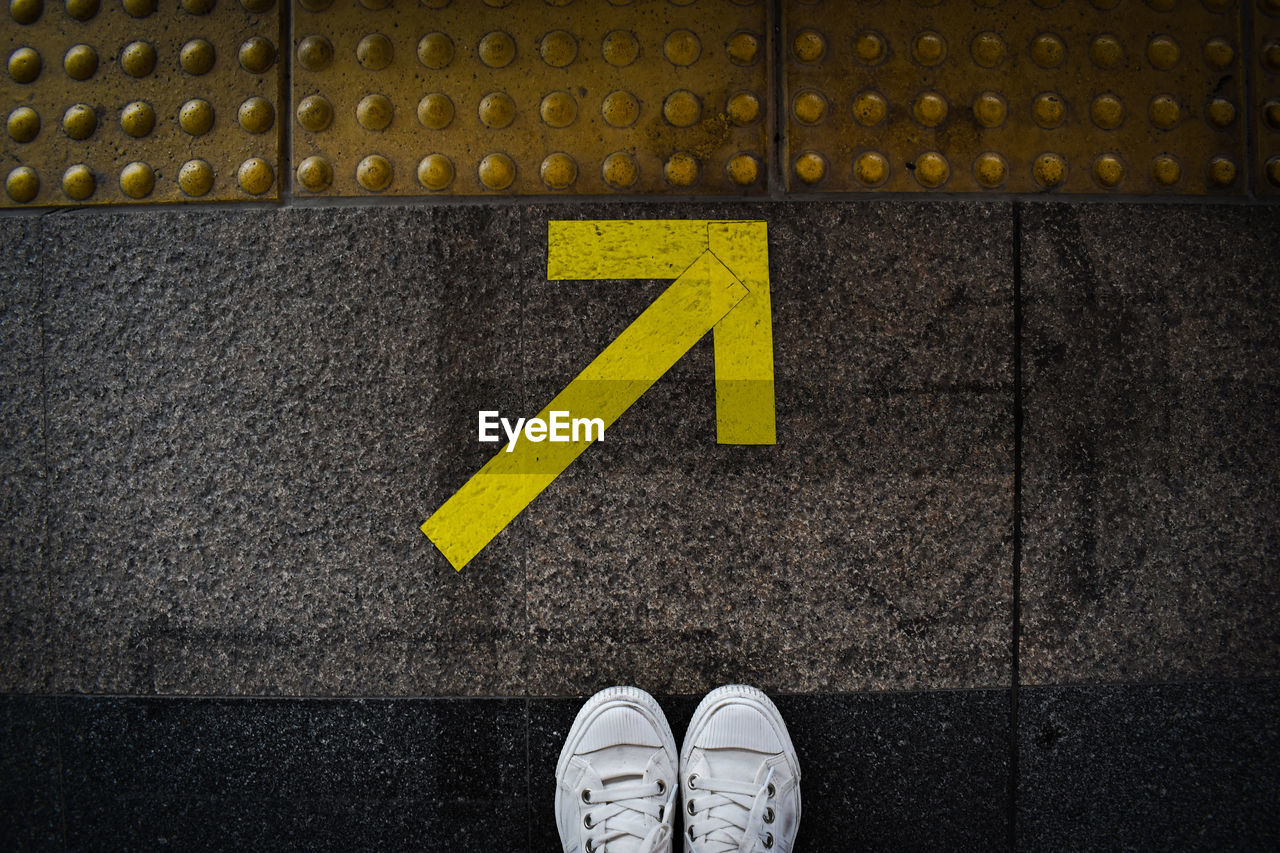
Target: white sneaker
[
  {"x": 616, "y": 781},
  {"x": 739, "y": 775}
]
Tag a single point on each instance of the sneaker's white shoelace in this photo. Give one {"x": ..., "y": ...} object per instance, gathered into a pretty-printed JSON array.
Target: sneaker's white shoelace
[
  {"x": 621, "y": 811},
  {"x": 726, "y": 812}
]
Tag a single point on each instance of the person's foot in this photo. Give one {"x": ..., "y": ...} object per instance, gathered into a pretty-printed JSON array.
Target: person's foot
[
  {"x": 616, "y": 781},
  {"x": 739, "y": 776}
]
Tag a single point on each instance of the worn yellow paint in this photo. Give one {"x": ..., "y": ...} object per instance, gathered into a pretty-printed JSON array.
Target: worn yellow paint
[
  {"x": 744, "y": 338},
  {"x": 659, "y": 249},
  {"x": 637, "y": 358},
  {"x": 623, "y": 248},
  {"x": 721, "y": 271}
]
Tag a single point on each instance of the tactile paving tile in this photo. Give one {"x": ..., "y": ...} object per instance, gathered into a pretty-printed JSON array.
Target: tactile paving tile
[
  {"x": 530, "y": 97},
  {"x": 1074, "y": 96},
  {"x": 123, "y": 101},
  {"x": 1266, "y": 28}
]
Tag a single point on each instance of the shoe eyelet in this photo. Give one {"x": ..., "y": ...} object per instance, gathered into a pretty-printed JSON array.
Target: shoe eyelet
[
  {"x": 662, "y": 813},
  {"x": 586, "y": 821},
  {"x": 691, "y": 833},
  {"x": 768, "y": 815},
  {"x": 771, "y": 790},
  {"x": 689, "y": 808},
  {"x": 662, "y": 787},
  {"x": 768, "y": 840},
  {"x": 590, "y": 848},
  {"x": 693, "y": 778},
  {"x": 586, "y": 795}
]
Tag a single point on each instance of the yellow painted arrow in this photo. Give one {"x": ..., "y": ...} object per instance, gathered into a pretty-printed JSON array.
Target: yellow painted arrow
[{"x": 721, "y": 272}]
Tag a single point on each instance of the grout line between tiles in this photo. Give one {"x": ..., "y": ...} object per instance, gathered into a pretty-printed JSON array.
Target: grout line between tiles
[
  {"x": 42, "y": 311},
  {"x": 58, "y": 732},
  {"x": 776, "y": 173},
  {"x": 524, "y": 559},
  {"x": 525, "y": 403},
  {"x": 564, "y": 202},
  {"x": 46, "y": 467},
  {"x": 1016, "y": 621},
  {"x": 528, "y": 777},
  {"x": 1207, "y": 681},
  {"x": 1250, "y": 113},
  {"x": 284, "y": 97}
]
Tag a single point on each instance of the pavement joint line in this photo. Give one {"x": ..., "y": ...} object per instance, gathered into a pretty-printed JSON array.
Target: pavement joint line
[
  {"x": 285, "y": 128},
  {"x": 1015, "y": 639},
  {"x": 566, "y": 202}
]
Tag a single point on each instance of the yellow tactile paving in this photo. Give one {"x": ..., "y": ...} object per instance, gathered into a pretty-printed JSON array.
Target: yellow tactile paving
[
  {"x": 530, "y": 97},
  {"x": 122, "y": 101},
  {"x": 1074, "y": 96},
  {"x": 1266, "y": 119},
  {"x": 144, "y": 101}
]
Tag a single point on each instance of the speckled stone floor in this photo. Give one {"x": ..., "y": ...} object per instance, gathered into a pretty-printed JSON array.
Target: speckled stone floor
[{"x": 1012, "y": 569}]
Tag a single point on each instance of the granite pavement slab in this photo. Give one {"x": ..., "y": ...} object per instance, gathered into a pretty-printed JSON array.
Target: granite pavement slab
[
  {"x": 1151, "y": 448},
  {"x": 869, "y": 549},
  {"x": 243, "y": 425}
]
